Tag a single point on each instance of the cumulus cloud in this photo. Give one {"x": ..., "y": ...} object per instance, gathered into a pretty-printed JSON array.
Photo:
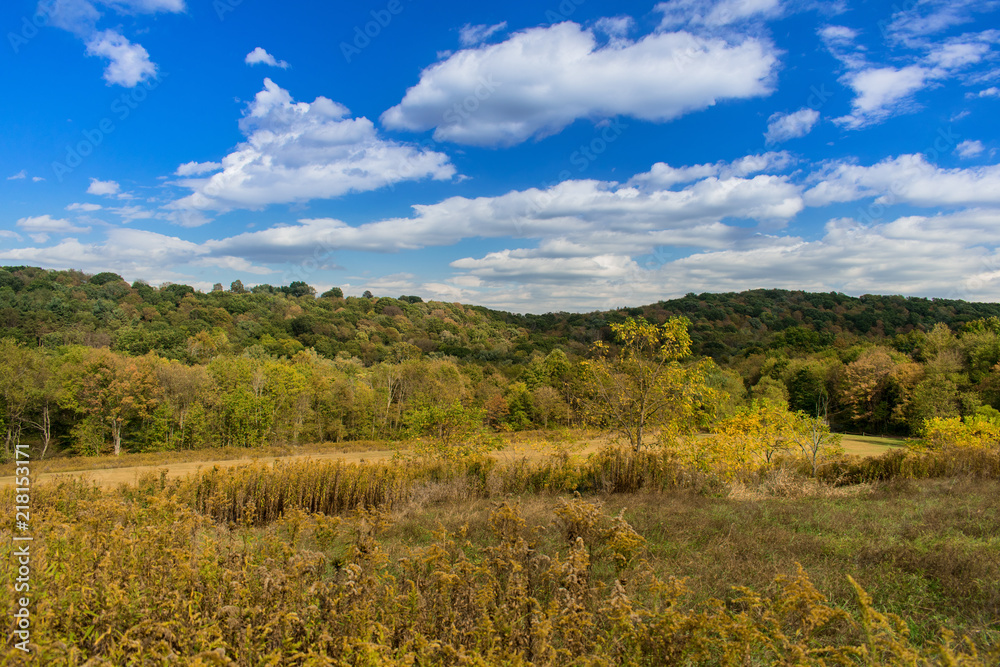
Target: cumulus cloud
[
  {"x": 88, "y": 208},
  {"x": 540, "y": 80},
  {"x": 103, "y": 188},
  {"x": 133, "y": 253},
  {"x": 837, "y": 35},
  {"x": 662, "y": 175},
  {"x": 958, "y": 53},
  {"x": 992, "y": 91},
  {"x": 945, "y": 255},
  {"x": 906, "y": 179},
  {"x": 18, "y": 176},
  {"x": 298, "y": 151},
  {"x": 261, "y": 57},
  {"x": 881, "y": 92},
  {"x": 46, "y": 223},
  {"x": 616, "y": 27},
  {"x": 969, "y": 148},
  {"x": 470, "y": 35},
  {"x": 571, "y": 219},
  {"x": 130, "y": 63},
  {"x": 586, "y": 244},
  {"x": 782, "y": 127},
  {"x": 197, "y": 168}
]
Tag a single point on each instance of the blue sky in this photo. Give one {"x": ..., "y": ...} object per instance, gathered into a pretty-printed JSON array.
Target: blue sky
[{"x": 525, "y": 156}]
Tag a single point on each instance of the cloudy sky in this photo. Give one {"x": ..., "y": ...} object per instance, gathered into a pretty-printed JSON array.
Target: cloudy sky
[{"x": 527, "y": 156}]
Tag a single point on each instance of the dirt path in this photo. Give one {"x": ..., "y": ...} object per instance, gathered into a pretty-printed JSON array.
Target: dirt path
[{"x": 112, "y": 477}]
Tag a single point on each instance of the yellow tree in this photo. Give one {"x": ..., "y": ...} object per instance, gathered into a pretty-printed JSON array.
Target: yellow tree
[
  {"x": 753, "y": 435},
  {"x": 976, "y": 431},
  {"x": 641, "y": 386}
]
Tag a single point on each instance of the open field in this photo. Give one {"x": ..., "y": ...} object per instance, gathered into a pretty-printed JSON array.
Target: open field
[
  {"x": 870, "y": 445},
  {"x": 472, "y": 564},
  {"x": 111, "y": 471}
]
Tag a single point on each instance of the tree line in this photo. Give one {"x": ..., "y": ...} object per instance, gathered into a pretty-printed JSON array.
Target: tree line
[{"x": 91, "y": 364}]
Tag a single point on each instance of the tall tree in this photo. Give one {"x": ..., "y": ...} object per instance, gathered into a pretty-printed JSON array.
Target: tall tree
[
  {"x": 641, "y": 386},
  {"x": 113, "y": 391}
]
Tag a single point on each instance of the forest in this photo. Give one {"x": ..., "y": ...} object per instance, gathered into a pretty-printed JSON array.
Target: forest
[{"x": 93, "y": 364}]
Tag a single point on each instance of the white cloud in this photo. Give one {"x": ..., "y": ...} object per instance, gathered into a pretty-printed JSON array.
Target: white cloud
[
  {"x": 130, "y": 213},
  {"x": 76, "y": 16},
  {"x": 130, "y": 63},
  {"x": 914, "y": 22},
  {"x": 906, "y": 179},
  {"x": 145, "y": 6},
  {"x": 261, "y": 57},
  {"x": 512, "y": 265},
  {"x": 941, "y": 255},
  {"x": 956, "y": 54},
  {"x": 663, "y": 176},
  {"x": 993, "y": 91},
  {"x": 837, "y": 36},
  {"x": 782, "y": 127},
  {"x": 18, "y": 176},
  {"x": 130, "y": 252},
  {"x": 969, "y": 148},
  {"x": 37, "y": 179},
  {"x": 470, "y": 35},
  {"x": 572, "y": 218},
  {"x": 89, "y": 208},
  {"x": 715, "y": 13},
  {"x": 197, "y": 168},
  {"x": 46, "y": 223},
  {"x": 881, "y": 92},
  {"x": 297, "y": 151},
  {"x": 81, "y": 16},
  {"x": 616, "y": 27},
  {"x": 540, "y": 80},
  {"x": 103, "y": 188}
]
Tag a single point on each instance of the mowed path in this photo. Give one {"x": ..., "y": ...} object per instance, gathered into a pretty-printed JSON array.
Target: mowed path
[{"x": 112, "y": 477}]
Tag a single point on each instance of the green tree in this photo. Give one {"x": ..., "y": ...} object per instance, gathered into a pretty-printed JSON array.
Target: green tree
[
  {"x": 641, "y": 387},
  {"x": 450, "y": 432},
  {"x": 113, "y": 391},
  {"x": 17, "y": 382}
]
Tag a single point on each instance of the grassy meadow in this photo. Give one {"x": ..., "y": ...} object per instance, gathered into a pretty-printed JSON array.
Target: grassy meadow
[{"x": 566, "y": 557}]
